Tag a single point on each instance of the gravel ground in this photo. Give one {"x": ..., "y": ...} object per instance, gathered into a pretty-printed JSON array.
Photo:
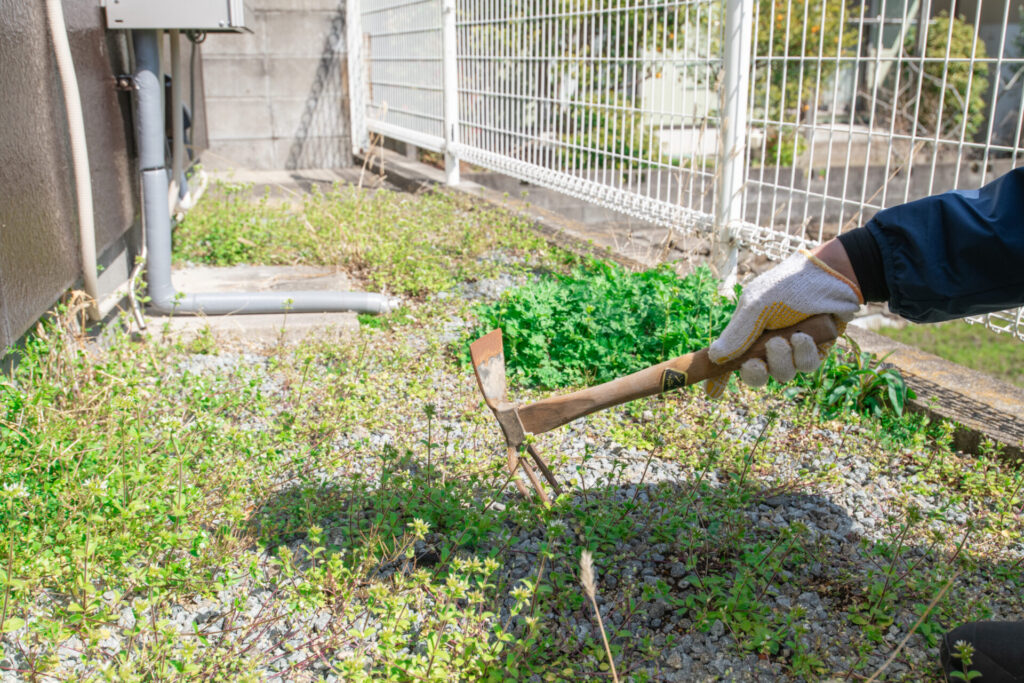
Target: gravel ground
[{"x": 833, "y": 479}]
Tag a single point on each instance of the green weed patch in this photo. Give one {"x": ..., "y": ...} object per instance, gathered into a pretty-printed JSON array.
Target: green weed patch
[
  {"x": 402, "y": 244},
  {"x": 601, "y": 321}
]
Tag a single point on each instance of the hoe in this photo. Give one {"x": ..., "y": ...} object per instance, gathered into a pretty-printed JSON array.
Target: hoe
[{"x": 516, "y": 421}]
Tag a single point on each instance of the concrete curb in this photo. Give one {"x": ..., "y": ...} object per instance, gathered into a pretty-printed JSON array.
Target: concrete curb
[{"x": 983, "y": 407}]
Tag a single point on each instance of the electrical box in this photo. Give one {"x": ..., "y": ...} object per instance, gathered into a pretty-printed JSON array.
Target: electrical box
[{"x": 196, "y": 15}]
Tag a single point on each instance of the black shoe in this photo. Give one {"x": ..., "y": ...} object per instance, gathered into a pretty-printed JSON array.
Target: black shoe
[{"x": 998, "y": 651}]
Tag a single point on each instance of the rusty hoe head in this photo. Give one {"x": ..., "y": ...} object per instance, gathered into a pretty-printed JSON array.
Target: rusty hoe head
[{"x": 488, "y": 355}]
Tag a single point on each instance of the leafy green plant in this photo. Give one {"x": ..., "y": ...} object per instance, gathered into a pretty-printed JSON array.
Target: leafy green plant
[
  {"x": 780, "y": 147},
  {"x": 602, "y": 321},
  {"x": 964, "y": 651},
  {"x": 608, "y": 135},
  {"x": 854, "y": 380}
]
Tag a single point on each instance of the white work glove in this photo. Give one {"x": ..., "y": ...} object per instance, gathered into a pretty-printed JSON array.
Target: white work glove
[{"x": 796, "y": 289}]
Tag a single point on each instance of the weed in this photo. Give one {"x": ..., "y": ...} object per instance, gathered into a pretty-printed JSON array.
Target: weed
[
  {"x": 590, "y": 588},
  {"x": 601, "y": 321},
  {"x": 854, "y": 380},
  {"x": 403, "y": 244},
  {"x": 964, "y": 651}
]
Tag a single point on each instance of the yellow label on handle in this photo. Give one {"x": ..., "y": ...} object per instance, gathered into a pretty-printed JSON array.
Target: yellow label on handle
[{"x": 672, "y": 379}]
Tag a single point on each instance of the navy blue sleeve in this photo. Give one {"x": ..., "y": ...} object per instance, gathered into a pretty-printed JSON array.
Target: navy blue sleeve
[{"x": 955, "y": 254}]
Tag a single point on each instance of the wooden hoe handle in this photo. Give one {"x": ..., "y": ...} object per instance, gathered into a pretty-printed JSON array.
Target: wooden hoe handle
[{"x": 679, "y": 372}]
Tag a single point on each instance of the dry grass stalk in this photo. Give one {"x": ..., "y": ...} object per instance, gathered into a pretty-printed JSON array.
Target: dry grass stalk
[{"x": 590, "y": 588}]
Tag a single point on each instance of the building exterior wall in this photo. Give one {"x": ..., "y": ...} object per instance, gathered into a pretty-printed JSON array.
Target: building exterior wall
[
  {"x": 39, "y": 244},
  {"x": 278, "y": 98}
]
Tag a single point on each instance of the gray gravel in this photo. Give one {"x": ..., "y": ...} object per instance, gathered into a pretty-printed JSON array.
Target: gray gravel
[{"x": 837, "y": 514}]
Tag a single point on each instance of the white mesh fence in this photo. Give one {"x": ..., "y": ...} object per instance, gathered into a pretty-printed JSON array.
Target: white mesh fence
[
  {"x": 858, "y": 107},
  {"x": 567, "y": 98},
  {"x": 844, "y": 109},
  {"x": 401, "y": 53}
]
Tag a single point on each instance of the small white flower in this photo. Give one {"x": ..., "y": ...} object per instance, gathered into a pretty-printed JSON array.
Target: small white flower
[{"x": 15, "y": 491}]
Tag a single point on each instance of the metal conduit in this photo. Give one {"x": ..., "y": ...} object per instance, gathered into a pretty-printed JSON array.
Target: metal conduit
[{"x": 149, "y": 123}]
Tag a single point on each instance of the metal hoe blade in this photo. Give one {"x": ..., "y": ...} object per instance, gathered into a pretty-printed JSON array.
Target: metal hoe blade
[{"x": 488, "y": 355}]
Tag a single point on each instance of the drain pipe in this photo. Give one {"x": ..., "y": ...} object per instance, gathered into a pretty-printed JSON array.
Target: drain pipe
[
  {"x": 149, "y": 125},
  {"x": 178, "y": 185},
  {"x": 79, "y": 152},
  {"x": 184, "y": 194}
]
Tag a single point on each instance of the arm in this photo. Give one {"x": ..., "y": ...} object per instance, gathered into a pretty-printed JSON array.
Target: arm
[
  {"x": 947, "y": 256},
  {"x": 942, "y": 257}
]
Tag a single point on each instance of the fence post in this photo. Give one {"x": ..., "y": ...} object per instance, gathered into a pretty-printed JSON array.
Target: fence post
[
  {"x": 356, "y": 76},
  {"x": 732, "y": 145},
  {"x": 451, "y": 92}
]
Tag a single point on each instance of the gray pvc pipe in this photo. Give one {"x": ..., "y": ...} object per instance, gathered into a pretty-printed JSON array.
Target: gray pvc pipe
[{"x": 149, "y": 131}]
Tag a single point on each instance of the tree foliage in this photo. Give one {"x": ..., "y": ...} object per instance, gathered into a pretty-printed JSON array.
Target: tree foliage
[
  {"x": 791, "y": 37},
  {"x": 944, "y": 76}
]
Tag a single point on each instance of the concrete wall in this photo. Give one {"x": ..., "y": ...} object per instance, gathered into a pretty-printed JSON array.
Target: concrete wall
[
  {"x": 39, "y": 245},
  {"x": 278, "y": 97}
]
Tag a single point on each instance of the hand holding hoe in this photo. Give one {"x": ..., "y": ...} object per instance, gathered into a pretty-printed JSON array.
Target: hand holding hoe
[{"x": 516, "y": 421}]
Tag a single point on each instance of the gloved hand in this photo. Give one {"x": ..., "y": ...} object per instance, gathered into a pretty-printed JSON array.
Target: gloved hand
[{"x": 796, "y": 289}]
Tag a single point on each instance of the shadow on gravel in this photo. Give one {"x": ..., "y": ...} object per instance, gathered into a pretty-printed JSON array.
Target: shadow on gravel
[{"x": 697, "y": 578}]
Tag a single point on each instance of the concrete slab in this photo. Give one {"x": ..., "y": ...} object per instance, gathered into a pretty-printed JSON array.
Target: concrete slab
[
  {"x": 257, "y": 331},
  {"x": 291, "y": 185},
  {"x": 258, "y": 278},
  {"x": 254, "y": 331}
]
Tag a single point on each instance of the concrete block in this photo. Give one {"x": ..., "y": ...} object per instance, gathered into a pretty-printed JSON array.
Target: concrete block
[
  {"x": 297, "y": 76},
  {"x": 258, "y": 279},
  {"x": 304, "y": 34},
  {"x": 233, "y": 118},
  {"x": 266, "y": 90},
  {"x": 287, "y": 116},
  {"x": 234, "y": 44},
  {"x": 325, "y": 117},
  {"x": 244, "y": 76},
  {"x": 314, "y": 152},
  {"x": 244, "y": 153}
]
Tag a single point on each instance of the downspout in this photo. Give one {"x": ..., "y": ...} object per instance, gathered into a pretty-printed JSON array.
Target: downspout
[
  {"x": 79, "y": 152},
  {"x": 149, "y": 130},
  {"x": 183, "y": 195},
  {"x": 178, "y": 185}
]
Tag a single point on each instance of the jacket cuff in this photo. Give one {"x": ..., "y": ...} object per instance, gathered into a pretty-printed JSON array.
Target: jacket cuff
[{"x": 866, "y": 260}]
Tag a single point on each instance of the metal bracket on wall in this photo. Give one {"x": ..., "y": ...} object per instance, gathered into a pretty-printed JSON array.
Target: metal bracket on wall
[{"x": 125, "y": 83}]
